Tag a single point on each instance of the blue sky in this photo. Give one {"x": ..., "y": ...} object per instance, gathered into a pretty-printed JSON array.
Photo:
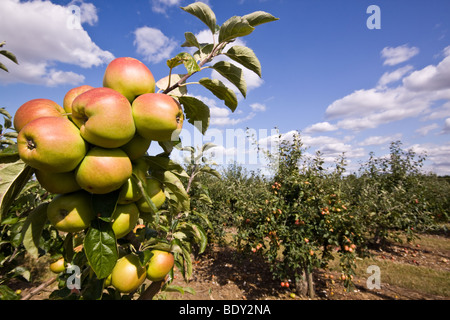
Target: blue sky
[{"x": 346, "y": 87}]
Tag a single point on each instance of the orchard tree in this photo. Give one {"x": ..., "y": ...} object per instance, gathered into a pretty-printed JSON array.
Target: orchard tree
[{"x": 112, "y": 215}]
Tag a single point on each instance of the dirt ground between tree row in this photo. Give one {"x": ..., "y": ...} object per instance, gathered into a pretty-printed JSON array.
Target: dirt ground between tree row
[{"x": 222, "y": 274}]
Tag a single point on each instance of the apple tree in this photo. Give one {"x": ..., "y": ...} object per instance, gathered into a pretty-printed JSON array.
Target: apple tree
[{"x": 115, "y": 219}]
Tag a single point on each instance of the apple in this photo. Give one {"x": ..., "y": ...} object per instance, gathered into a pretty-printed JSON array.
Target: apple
[
  {"x": 155, "y": 192},
  {"x": 129, "y": 192},
  {"x": 52, "y": 144},
  {"x": 58, "y": 265},
  {"x": 104, "y": 117},
  {"x": 157, "y": 116},
  {"x": 103, "y": 170},
  {"x": 159, "y": 265},
  {"x": 136, "y": 147},
  {"x": 36, "y": 108},
  {"x": 124, "y": 218},
  {"x": 63, "y": 182},
  {"x": 128, "y": 274},
  {"x": 71, "y": 212},
  {"x": 129, "y": 76},
  {"x": 72, "y": 94}
]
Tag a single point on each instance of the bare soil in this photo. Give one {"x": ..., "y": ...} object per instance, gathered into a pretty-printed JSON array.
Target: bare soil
[{"x": 222, "y": 274}]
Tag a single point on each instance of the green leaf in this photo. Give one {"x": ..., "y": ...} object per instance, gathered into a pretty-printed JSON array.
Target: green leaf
[
  {"x": 220, "y": 91},
  {"x": 191, "y": 40},
  {"x": 13, "y": 178},
  {"x": 233, "y": 74},
  {"x": 204, "y": 52},
  {"x": 234, "y": 27},
  {"x": 9, "y": 55},
  {"x": 32, "y": 229},
  {"x": 184, "y": 58},
  {"x": 9, "y": 154},
  {"x": 100, "y": 247},
  {"x": 209, "y": 170},
  {"x": 246, "y": 57},
  {"x": 2, "y": 66},
  {"x": 187, "y": 262},
  {"x": 144, "y": 256},
  {"x": 104, "y": 205},
  {"x": 204, "y": 13},
  {"x": 200, "y": 234},
  {"x": 173, "y": 183},
  {"x": 259, "y": 17},
  {"x": 164, "y": 83},
  {"x": 197, "y": 113}
]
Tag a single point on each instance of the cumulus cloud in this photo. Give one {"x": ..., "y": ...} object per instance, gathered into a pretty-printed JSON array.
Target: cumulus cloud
[
  {"x": 40, "y": 35},
  {"x": 424, "y": 130},
  {"x": 258, "y": 107},
  {"x": 380, "y": 140},
  {"x": 416, "y": 96},
  {"x": 153, "y": 45},
  {"x": 321, "y": 127},
  {"x": 393, "y": 56}
]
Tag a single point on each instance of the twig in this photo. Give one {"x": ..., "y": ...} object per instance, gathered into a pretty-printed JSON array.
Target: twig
[
  {"x": 151, "y": 291},
  {"x": 39, "y": 288}
]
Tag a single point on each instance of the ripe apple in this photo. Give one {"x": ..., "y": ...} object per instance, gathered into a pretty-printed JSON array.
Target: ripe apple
[
  {"x": 157, "y": 116},
  {"x": 129, "y": 76},
  {"x": 136, "y": 147},
  {"x": 52, "y": 144},
  {"x": 124, "y": 218},
  {"x": 36, "y": 108},
  {"x": 159, "y": 265},
  {"x": 129, "y": 192},
  {"x": 128, "y": 274},
  {"x": 155, "y": 192},
  {"x": 72, "y": 94},
  {"x": 71, "y": 212},
  {"x": 63, "y": 182},
  {"x": 58, "y": 265},
  {"x": 103, "y": 170},
  {"x": 104, "y": 117}
]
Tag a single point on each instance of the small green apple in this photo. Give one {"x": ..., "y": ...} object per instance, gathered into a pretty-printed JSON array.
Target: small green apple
[
  {"x": 136, "y": 147},
  {"x": 51, "y": 144},
  {"x": 157, "y": 116},
  {"x": 36, "y": 108},
  {"x": 129, "y": 76},
  {"x": 58, "y": 265},
  {"x": 128, "y": 274},
  {"x": 103, "y": 170},
  {"x": 71, "y": 212},
  {"x": 124, "y": 219},
  {"x": 161, "y": 262},
  {"x": 156, "y": 194},
  {"x": 104, "y": 117},
  {"x": 129, "y": 192},
  {"x": 63, "y": 182}
]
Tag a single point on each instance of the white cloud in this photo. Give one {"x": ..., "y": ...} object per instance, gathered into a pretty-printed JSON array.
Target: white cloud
[
  {"x": 415, "y": 97},
  {"x": 153, "y": 45},
  {"x": 398, "y": 54},
  {"x": 389, "y": 77},
  {"x": 258, "y": 107},
  {"x": 446, "y": 126},
  {"x": 380, "y": 140},
  {"x": 321, "y": 127},
  {"x": 39, "y": 34},
  {"x": 423, "y": 131},
  {"x": 438, "y": 157},
  {"x": 88, "y": 12},
  {"x": 431, "y": 77}
]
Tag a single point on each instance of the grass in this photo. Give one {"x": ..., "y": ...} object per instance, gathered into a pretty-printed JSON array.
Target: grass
[{"x": 412, "y": 277}]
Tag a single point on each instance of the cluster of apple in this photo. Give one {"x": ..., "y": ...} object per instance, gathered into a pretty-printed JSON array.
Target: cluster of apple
[{"x": 93, "y": 144}]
